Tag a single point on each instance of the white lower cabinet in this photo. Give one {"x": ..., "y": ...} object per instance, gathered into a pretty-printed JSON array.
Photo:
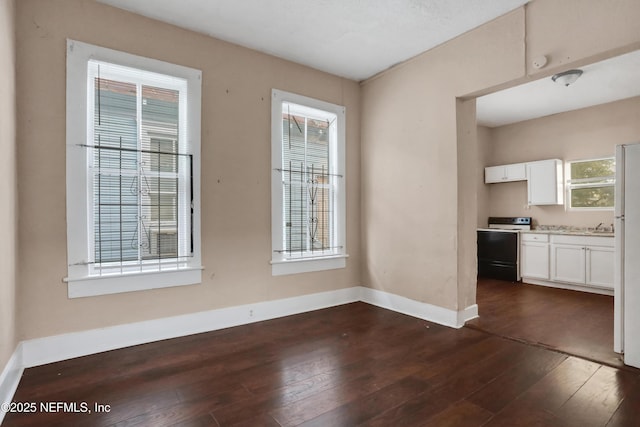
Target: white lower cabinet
[
  {"x": 600, "y": 265},
  {"x": 568, "y": 263},
  {"x": 585, "y": 261},
  {"x": 534, "y": 256}
]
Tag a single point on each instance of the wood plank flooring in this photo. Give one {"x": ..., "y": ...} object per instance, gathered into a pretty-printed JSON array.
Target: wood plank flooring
[
  {"x": 576, "y": 323},
  {"x": 351, "y": 365}
]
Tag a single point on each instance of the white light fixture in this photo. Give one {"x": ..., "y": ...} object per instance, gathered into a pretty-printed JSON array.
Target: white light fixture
[{"x": 566, "y": 78}]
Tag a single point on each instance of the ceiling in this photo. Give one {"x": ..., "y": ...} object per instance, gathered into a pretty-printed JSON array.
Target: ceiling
[
  {"x": 355, "y": 39},
  {"x": 358, "y": 39},
  {"x": 611, "y": 80}
]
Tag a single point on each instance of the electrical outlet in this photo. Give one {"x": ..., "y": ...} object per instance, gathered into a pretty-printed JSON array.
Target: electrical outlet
[{"x": 250, "y": 313}]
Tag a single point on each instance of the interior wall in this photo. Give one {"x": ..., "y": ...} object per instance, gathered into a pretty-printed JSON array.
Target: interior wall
[
  {"x": 8, "y": 189},
  {"x": 410, "y": 162},
  {"x": 482, "y": 190},
  {"x": 583, "y": 134},
  {"x": 410, "y": 173},
  {"x": 236, "y": 168},
  {"x": 578, "y": 32},
  {"x": 467, "y": 155}
]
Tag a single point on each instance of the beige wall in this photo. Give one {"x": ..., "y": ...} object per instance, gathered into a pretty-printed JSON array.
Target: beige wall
[
  {"x": 409, "y": 137},
  {"x": 8, "y": 189},
  {"x": 467, "y": 155},
  {"x": 582, "y": 134},
  {"x": 484, "y": 153},
  {"x": 236, "y": 236},
  {"x": 410, "y": 161},
  {"x": 414, "y": 231}
]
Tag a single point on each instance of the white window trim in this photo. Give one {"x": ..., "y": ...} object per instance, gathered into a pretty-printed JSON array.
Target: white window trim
[
  {"x": 569, "y": 186},
  {"x": 280, "y": 264},
  {"x": 80, "y": 282}
]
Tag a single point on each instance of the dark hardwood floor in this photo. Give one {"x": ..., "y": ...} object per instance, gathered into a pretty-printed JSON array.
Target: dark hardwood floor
[
  {"x": 350, "y": 365},
  {"x": 576, "y": 323}
]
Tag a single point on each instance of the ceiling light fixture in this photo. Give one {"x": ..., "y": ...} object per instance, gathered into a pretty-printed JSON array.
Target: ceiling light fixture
[{"x": 566, "y": 78}]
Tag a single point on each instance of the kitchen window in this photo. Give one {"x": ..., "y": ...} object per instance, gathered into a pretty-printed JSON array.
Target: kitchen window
[
  {"x": 307, "y": 185},
  {"x": 591, "y": 183},
  {"x": 133, "y": 172}
]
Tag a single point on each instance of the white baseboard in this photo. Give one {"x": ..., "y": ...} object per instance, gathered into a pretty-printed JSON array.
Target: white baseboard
[
  {"x": 590, "y": 289},
  {"x": 467, "y": 314},
  {"x": 55, "y": 348},
  {"x": 10, "y": 378},
  {"x": 421, "y": 310}
]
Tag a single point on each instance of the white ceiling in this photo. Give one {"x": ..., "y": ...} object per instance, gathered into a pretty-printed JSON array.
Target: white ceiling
[
  {"x": 350, "y": 38},
  {"x": 360, "y": 38},
  {"x": 611, "y": 80}
]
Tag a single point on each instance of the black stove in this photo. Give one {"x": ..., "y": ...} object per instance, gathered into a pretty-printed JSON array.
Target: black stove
[{"x": 499, "y": 247}]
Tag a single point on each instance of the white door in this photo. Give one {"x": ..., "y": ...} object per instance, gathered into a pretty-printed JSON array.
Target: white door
[
  {"x": 516, "y": 172},
  {"x": 543, "y": 182},
  {"x": 568, "y": 263},
  {"x": 631, "y": 276},
  {"x": 494, "y": 174},
  {"x": 600, "y": 266},
  {"x": 618, "y": 283},
  {"x": 534, "y": 259}
]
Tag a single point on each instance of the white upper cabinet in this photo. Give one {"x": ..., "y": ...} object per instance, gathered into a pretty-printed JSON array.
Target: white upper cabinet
[
  {"x": 544, "y": 179},
  {"x": 505, "y": 173},
  {"x": 544, "y": 182}
]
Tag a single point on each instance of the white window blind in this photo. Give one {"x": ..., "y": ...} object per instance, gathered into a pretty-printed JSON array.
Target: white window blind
[
  {"x": 308, "y": 185},
  {"x": 133, "y": 163},
  {"x": 139, "y": 169}
]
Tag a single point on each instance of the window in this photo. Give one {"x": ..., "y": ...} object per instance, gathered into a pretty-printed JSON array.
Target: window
[
  {"x": 307, "y": 185},
  {"x": 133, "y": 181},
  {"x": 591, "y": 183}
]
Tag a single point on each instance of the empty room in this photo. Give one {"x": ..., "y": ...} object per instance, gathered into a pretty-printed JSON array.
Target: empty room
[{"x": 268, "y": 213}]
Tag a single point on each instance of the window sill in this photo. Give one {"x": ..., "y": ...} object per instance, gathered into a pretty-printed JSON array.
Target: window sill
[
  {"x": 600, "y": 209},
  {"x": 114, "y": 284},
  {"x": 307, "y": 265}
]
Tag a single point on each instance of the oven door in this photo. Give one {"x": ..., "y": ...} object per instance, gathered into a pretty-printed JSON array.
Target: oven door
[{"x": 498, "y": 255}]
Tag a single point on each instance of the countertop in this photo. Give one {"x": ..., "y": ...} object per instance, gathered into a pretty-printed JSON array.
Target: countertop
[{"x": 573, "y": 232}]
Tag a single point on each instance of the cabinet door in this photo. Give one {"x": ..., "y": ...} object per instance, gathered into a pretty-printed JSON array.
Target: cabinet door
[
  {"x": 599, "y": 266},
  {"x": 544, "y": 182},
  {"x": 494, "y": 174},
  {"x": 568, "y": 263},
  {"x": 515, "y": 172},
  {"x": 534, "y": 260}
]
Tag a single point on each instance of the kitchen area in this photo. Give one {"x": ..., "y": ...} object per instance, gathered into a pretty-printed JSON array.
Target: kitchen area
[
  {"x": 564, "y": 256},
  {"x": 551, "y": 285},
  {"x": 547, "y": 211},
  {"x": 565, "y": 246}
]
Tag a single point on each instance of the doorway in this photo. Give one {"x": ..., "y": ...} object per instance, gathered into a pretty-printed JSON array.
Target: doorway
[
  {"x": 571, "y": 322},
  {"x": 592, "y": 137}
]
